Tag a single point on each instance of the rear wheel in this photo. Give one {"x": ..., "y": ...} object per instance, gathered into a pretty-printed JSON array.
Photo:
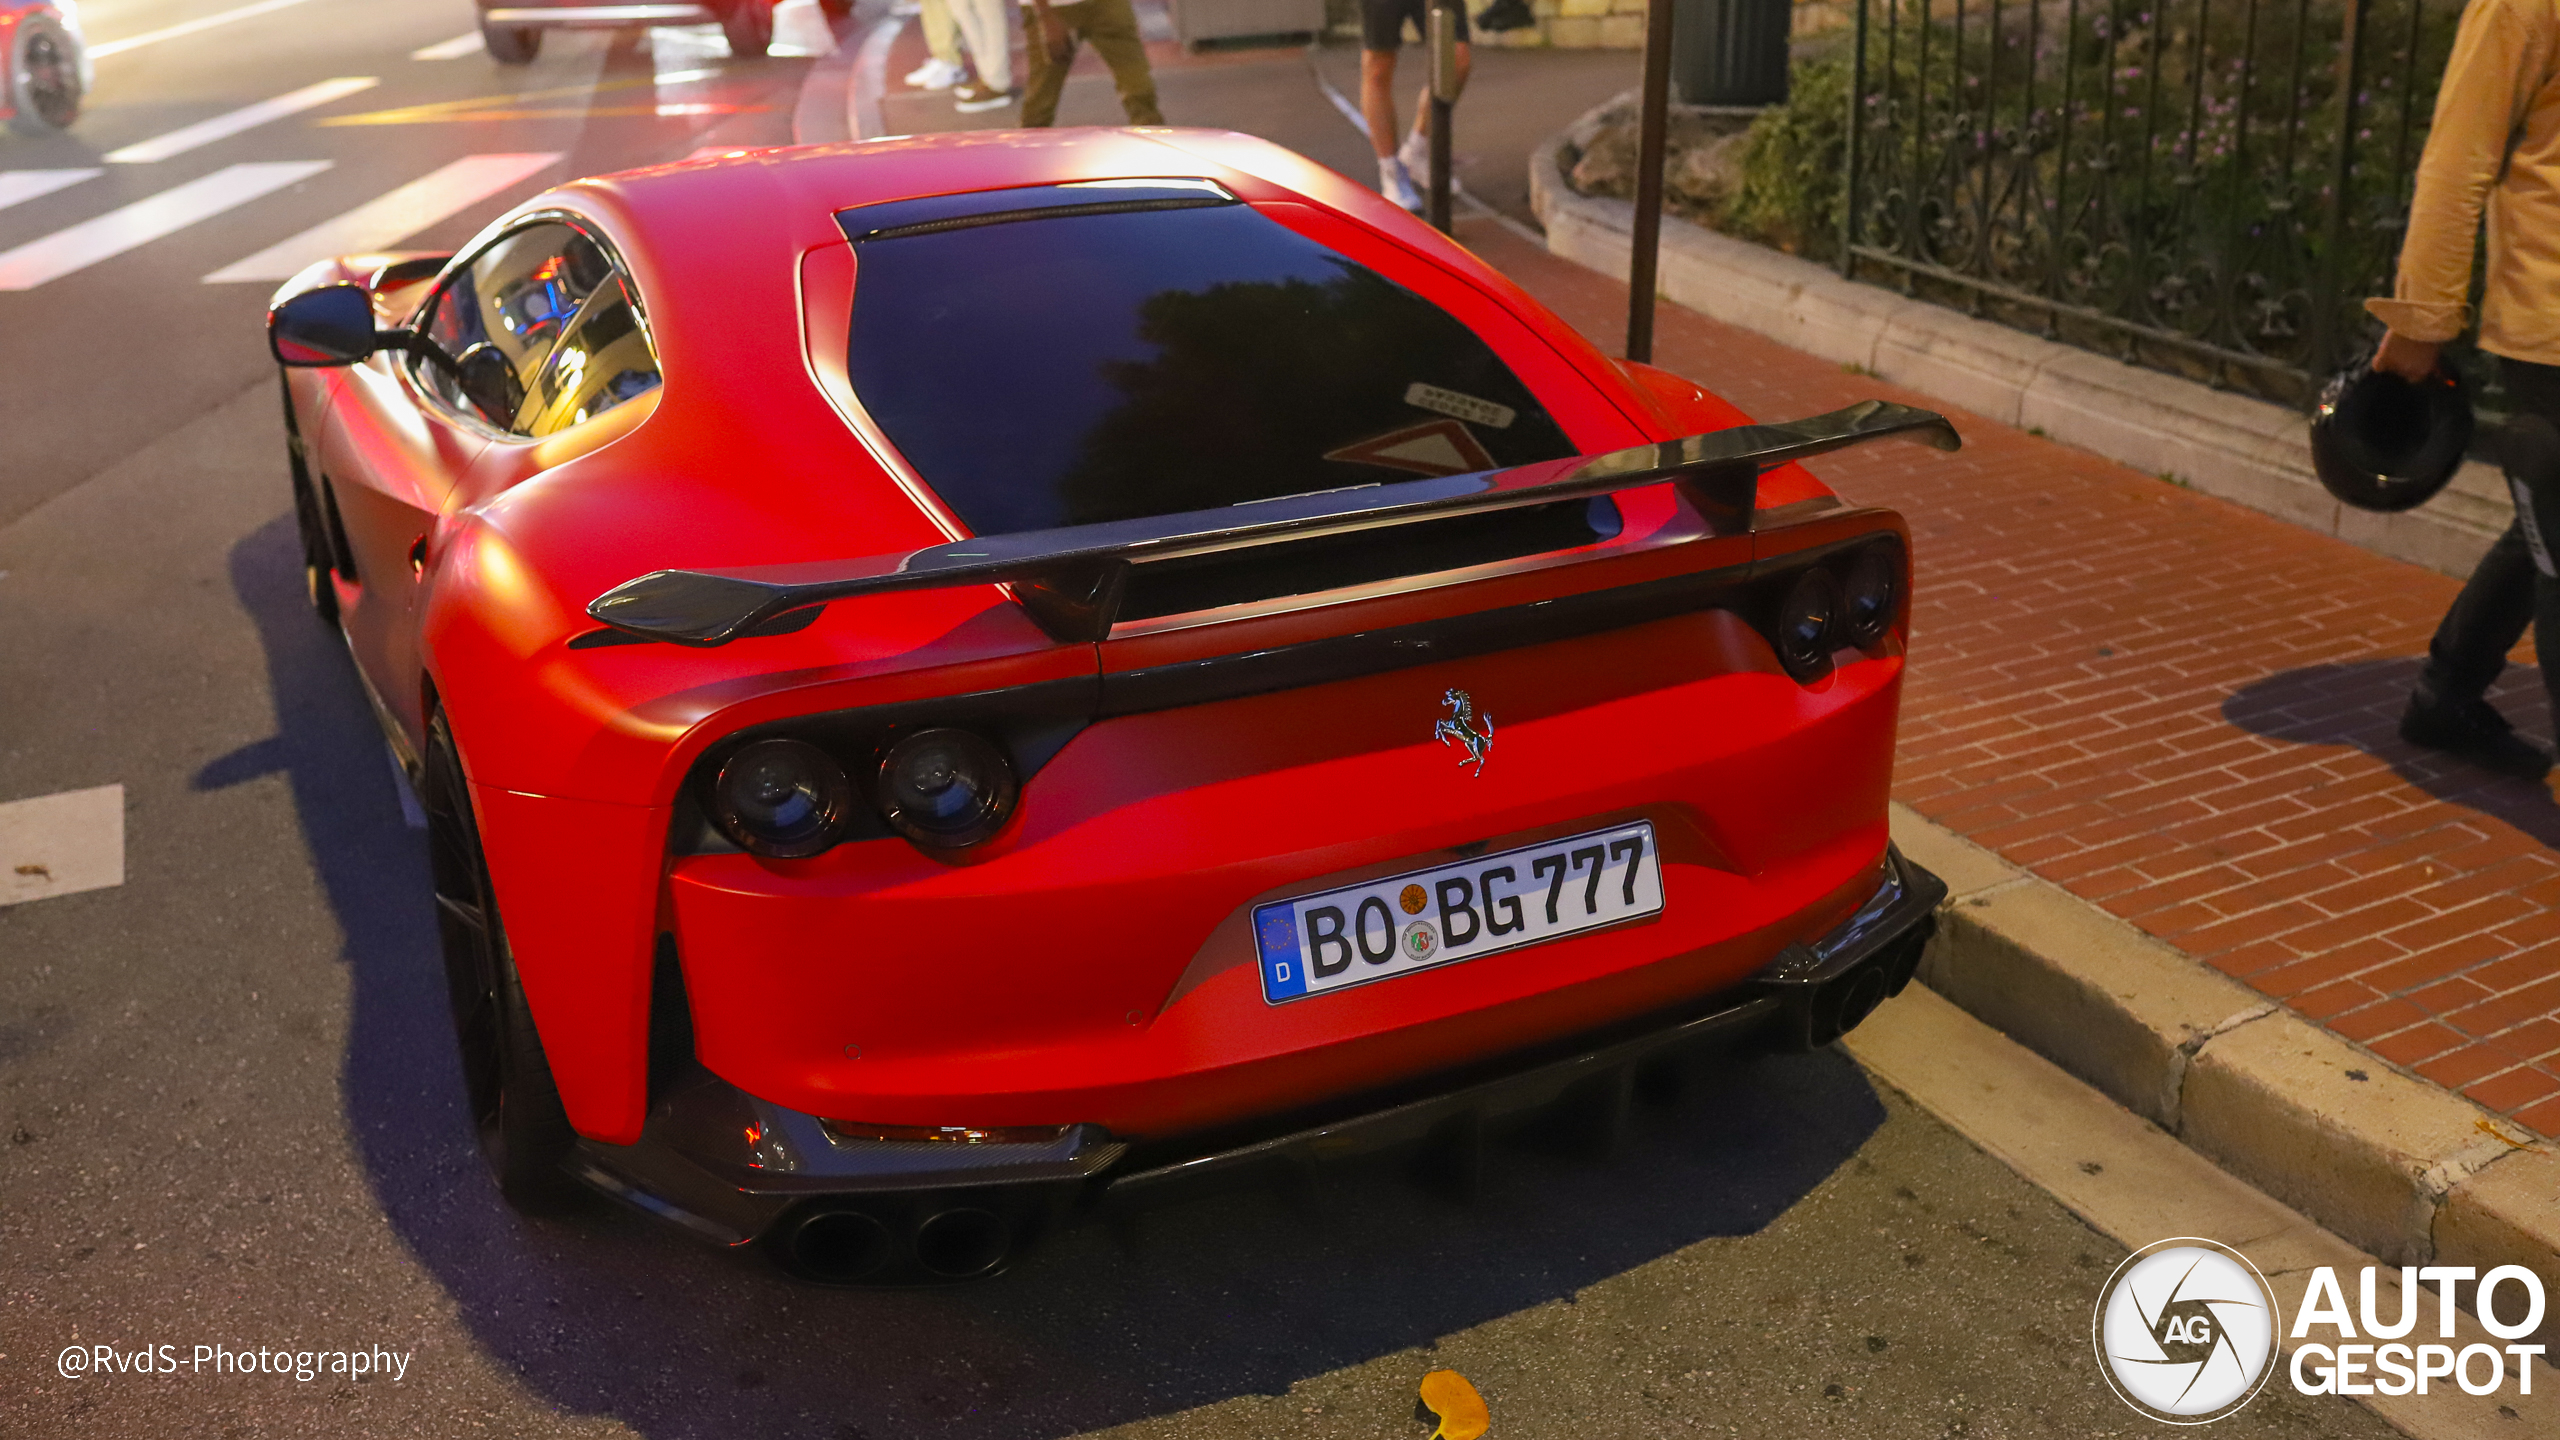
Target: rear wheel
[
  {"x": 44, "y": 77},
  {"x": 749, "y": 26},
  {"x": 510, "y": 44},
  {"x": 515, "y": 1108}
]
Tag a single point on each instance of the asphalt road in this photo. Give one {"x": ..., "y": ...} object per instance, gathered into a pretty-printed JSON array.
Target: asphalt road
[{"x": 229, "y": 1109}]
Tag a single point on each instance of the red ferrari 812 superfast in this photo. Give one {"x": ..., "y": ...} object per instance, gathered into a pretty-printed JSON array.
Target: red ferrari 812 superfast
[{"x": 957, "y": 678}]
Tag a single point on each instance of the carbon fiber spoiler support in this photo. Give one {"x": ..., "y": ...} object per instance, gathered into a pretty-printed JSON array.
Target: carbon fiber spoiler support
[{"x": 1072, "y": 578}]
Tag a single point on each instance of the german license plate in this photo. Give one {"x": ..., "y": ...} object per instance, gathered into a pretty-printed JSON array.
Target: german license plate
[{"x": 1483, "y": 906}]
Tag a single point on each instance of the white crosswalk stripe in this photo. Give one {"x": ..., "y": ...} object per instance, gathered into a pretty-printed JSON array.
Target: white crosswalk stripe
[
  {"x": 83, "y": 245},
  {"x": 386, "y": 221},
  {"x": 248, "y": 117},
  {"x": 180, "y": 31},
  {"x": 17, "y": 186},
  {"x": 453, "y": 49}
]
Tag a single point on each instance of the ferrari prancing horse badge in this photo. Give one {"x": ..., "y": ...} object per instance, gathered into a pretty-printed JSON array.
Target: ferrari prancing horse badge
[{"x": 1463, "y": 725}]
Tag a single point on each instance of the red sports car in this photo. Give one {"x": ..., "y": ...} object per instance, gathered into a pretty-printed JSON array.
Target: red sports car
[
  {"x": 511, "y": 30},
  {"x": 952, "y": 676}
]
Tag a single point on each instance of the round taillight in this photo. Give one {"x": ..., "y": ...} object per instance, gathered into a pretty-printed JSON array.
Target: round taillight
[
  {"x": 946, "y": 789},
  {"x": 783, "y": 798},
  {"x": 1871, "y": 596},
  {"x": 1808, "y": 627}
]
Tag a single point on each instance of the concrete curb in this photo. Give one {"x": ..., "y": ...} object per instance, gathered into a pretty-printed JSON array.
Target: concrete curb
[
  {"x": 2397, "y": 1166},
  {"x": 2223, "y": 444}
]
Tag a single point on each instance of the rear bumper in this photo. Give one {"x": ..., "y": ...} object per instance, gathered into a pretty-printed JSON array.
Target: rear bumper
[{"x": 726, "y": 1165}]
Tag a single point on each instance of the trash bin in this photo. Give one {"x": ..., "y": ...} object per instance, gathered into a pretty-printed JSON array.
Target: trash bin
[
  {"x": 1730, "y": 52},
  {"x": 1197, "y": 20}
]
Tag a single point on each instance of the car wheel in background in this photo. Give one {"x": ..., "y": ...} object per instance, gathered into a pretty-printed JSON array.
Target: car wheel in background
[
  {"x": 749, "y": 26},
  {"x": 510, "y": 44},
  {"x": 43, "y": 78},
  {"x": 515, "y": 1108}
]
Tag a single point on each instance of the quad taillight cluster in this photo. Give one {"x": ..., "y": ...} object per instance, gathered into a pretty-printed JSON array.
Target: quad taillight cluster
[
  {"x": 947, "y": 789},
  {"x": 944, "y": 789},
  {"x": 1850, "y": 598}
]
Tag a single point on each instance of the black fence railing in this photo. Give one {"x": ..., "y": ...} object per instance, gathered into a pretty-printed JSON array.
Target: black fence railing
[{"x": 2208, "y": 187}]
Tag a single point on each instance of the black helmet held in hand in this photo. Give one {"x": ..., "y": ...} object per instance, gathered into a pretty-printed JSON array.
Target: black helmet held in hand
[{"x": 2382, "y": 443}]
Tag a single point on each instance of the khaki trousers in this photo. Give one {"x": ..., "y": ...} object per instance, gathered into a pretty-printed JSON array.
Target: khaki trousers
[{"x": 1111, "y": 28}]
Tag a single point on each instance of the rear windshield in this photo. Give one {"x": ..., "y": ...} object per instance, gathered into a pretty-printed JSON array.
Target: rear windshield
[{"x": 1077, "y": 369}]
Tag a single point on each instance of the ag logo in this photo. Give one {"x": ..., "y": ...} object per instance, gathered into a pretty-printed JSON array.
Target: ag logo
[{"x": 2186, "y": 1330}]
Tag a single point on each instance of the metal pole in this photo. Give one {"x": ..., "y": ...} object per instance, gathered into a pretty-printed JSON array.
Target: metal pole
[
  {"x": 2327, "y": 342},
  {"x": 1444, "y": 95},
  {"x": 1650, "y": 145}
]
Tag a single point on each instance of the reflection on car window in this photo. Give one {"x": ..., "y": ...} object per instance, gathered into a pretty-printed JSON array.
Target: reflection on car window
[
  {"x": 515, "y": 298},
  {"x": 604, "y": 360},
  {"x": 1064, "y": 371}
]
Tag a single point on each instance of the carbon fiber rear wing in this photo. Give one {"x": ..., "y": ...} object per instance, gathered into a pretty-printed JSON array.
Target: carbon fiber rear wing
[{"x": 1072, "y": 578}]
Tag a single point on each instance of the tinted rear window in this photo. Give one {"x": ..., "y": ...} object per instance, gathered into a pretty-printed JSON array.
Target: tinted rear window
[{"x": 1065, "y": 371}]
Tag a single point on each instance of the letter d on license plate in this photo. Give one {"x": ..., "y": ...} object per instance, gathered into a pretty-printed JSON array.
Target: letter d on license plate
[{"x": 1482, "y": 906}]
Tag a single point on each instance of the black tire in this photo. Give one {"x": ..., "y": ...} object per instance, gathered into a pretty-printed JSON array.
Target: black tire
[
  {"x": 749, "y": 26},
  {"x": 310, "y": 526},
  {"x": 43, "y": 78},
  {"x": 510, "y": 44},
  {"x": 515, "y": 1108}
]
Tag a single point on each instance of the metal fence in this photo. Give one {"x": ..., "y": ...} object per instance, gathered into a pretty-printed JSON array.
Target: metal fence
[{"x": 2209, "y": 187}]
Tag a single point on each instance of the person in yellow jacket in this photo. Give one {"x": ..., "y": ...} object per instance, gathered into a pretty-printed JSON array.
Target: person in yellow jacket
[{"x": 2494, "y": 147}]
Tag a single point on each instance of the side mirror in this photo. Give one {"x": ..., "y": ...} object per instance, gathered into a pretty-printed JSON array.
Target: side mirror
[
  {"x": 488, "y": 379},
  {"x": 332, "y": 325}
]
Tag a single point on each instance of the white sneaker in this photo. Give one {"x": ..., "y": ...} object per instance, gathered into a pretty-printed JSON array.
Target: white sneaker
[
  {"x": 1397, "y": 185},
  {"x": 977, "y": 95},
  {"x": 936, "y": 74},
  {"x": 1415, "y": 152}
]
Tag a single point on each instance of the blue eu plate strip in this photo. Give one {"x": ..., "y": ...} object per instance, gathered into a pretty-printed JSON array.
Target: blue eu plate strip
[{"x": 1283, "y": 977}]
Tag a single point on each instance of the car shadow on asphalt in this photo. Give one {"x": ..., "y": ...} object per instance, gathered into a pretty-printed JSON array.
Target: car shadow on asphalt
[
  {"x": 2357, "y": 704},
  {"x": 611, "y": 1313}
]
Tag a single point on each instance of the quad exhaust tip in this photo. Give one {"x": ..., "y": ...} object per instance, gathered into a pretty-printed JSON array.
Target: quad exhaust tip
[{"x": 845, "y": 1244}]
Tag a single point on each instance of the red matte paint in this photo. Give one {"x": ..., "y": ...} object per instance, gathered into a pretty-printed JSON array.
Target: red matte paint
[{"x": 1091, "y": 963}]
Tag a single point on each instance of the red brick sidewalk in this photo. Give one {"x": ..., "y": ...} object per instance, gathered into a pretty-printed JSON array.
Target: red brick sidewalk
[{"x": 2183, "y": 711}]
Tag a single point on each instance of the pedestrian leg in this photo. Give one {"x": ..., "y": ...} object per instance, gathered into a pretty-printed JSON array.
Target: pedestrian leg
[
  {"x": 982, "y": 23},
  {"x": 941, "y": 35},
  {"x": 1048, "y": 74},
  {"x": 1111, "y": 27}
]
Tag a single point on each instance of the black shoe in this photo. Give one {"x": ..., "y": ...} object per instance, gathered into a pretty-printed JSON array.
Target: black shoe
[{"x": 2474, "y": 730}]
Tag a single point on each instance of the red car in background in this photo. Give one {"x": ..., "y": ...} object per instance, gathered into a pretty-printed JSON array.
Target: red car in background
[
  {"x": 511, "y": 30},
  {"x": 953, "y": 676},
  {"x": 48, "y": 65}
]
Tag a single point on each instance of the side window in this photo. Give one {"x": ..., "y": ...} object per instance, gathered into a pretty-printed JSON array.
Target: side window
[
  {"x": 603, "y": 360},
  {"x": 499, "y": 316}
]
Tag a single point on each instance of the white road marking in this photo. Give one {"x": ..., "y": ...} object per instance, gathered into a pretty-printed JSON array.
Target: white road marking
[
  {"x": 190, "y": 27},
  {"x": 412, "y": 814},
  {"x": 453, "y": 49},
  {"x": 248, "y": 117},
  {"x": 22, "y": 185},
  {"x": 61, "y": 844},
  {"x": 143, "y": 221},
  {"x": 385, "y": 221}
]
